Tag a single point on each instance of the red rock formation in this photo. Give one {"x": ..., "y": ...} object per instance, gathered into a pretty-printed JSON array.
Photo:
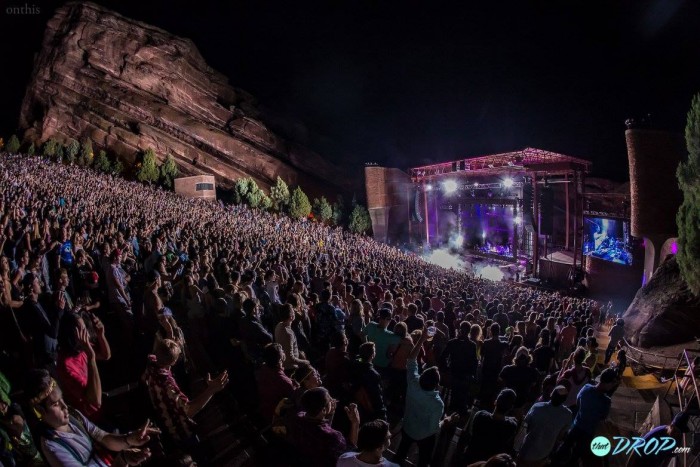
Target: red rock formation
[{"x": 130, "y": 86}]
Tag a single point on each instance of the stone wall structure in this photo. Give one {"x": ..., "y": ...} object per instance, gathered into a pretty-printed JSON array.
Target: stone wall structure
[{"x": 196, "y": 186}]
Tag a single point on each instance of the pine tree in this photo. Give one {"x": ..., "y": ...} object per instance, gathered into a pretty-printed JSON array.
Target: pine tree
[
  {"x": 265, "y": 202},
  {"x": 688, "y": 217},
  {"x": 322, "y": 209},
  {"x": 72, "y": 151},
  {"x": 240, "y": 190},
  {"x": 13, "y": 144},
  {"x": 149, "y": 168},
  {"x": 279, "y": 195},
  {"x": 117, "y": 167},
  {"x": 60, "y": 153},
  {"x": 360, "y": 222},
  {"x": 86, "y": 154},
  {"x": 49, "y": 148},
  {"x": 168, "y": 171},
  {"x": 338, "y": 211},
  {"x": 299, "y": 205},
  {"x": 254, "y": 194},
  {"x": 31, "y": 150},
  {"x": 102, "y": 162}
]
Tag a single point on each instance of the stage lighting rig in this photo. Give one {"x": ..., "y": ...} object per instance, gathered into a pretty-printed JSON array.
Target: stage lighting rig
[{"x": 450, "y": 186}]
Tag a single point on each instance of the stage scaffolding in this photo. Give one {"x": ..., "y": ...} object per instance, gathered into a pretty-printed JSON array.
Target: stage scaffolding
[{"x": 532, "y": 166}]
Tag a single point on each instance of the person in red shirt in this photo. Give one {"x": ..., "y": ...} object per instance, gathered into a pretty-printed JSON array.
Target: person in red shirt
[
  {"x": 77, "y": 363},
  {"x": 273, "y": 384}
]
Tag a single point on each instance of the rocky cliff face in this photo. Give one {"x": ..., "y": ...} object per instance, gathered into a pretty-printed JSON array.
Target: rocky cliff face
[
  {"x": 130, "y": 86},
  {"x": 663, "y": 312}
]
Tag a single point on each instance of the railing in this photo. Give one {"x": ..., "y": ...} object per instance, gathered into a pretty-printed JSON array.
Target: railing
[
  {"x": 682, "y": 384},
  {"x": 641, "y": 354}
]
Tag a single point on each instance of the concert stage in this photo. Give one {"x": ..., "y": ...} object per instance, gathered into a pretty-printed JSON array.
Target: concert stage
[{"x": 500, "y": 206}]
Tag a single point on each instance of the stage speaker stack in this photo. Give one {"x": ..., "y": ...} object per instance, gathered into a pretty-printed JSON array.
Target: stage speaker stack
[
  {"x": 454, "y": 166},
  {"x": 528, "y": 218},
  {"x": 416, "y": 206},
  {"x": 547, "y": 211}
]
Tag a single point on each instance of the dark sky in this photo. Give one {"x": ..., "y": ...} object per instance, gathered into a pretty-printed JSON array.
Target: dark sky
[{"x": 405, "y": 83}]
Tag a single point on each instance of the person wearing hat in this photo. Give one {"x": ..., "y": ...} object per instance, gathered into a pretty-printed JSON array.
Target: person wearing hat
[
  {"x": 675, "y": 430},
  {"x": 593, "y": 407},
  {"x": 547, "y": 423}
]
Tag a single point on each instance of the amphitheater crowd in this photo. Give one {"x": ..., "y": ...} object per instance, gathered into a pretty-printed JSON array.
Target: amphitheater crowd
[{"x": 330, "y": 344}]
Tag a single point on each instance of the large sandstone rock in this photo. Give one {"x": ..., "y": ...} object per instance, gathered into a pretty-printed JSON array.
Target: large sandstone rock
[
  {"x": 130, "y": 86},
  {"x": 663, "y": 312}
]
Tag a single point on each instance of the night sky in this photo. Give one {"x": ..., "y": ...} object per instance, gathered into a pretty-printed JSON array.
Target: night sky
[{"x": 407, "y": 83}]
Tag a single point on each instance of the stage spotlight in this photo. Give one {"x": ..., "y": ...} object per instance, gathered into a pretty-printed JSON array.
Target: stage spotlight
[
  {"x": 518, "y": 220},
  {"x": 476, "y": 183},
  {"x": 459, "y": 240},
  {"x": 428, "y": 187},
  {"x": 508, "y": 182},
  {"x": 450, "y": 186},
  {"x": 483, "y": 234}
]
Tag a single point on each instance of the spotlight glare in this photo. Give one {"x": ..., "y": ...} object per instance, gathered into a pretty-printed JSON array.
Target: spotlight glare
[
  {"x": 518, "y": 220},
  {"x": 508, "y": 182},
  {"x": 450, "y": 186},
  {"x": 459, "y": 239},
  {"x": 483, "y": 234},
  {"x": 476, "y": 183},
  {"x": 428, "y": 187}
]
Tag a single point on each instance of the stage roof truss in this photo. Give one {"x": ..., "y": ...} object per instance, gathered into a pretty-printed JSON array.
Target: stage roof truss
[{"x": 526, "y": 160}]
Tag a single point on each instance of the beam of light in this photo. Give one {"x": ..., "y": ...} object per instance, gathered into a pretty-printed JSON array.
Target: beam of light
[
  {"x": 450, "y": 186},
  {"x": 483, "y": 234},
  {"x": 508, "y": 182},
  {"x": 518, "y": 220},
  {"x": 457, "y": 241}
]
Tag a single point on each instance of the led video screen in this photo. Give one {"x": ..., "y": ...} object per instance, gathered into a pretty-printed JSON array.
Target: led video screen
[{"x": 607, "y": 239}]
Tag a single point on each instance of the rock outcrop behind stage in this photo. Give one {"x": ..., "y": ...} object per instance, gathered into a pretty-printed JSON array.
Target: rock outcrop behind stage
[
  {"x": 130, "y": 86},
  {"x": 663, "y": 312}
]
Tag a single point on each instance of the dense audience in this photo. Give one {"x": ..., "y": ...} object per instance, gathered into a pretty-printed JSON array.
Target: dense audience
[{"x": 331, "y": 343}]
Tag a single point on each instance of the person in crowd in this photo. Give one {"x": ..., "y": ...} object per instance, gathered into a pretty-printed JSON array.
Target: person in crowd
[
  {"x": 367, "y": 385},
  {"x": 423, "y": 415},
  {"x": 492, "y": 351},
  {"x": 174, "y": 408},
  {"x": 372, "y": 440},
  {"x": 616, "y": 334},
  {"x": 68, "y": 438},
  {"x": 575, "y": 377},
  {"x": 520, "y": 377},
  {"x": 675, "y": 430},
  {"x": 338, "y": 368},
  {"x": 310, "y": 432},
  {"x": 593, "y": 407},
  {"x": 493, "y": 432},
  {"x": 253, "y": 333},
  {"x": 273, "y": 384},
  {"x": 284, "y": 335},
  {"x": 329, "y": 319},
  {"x": 547, "y": 423},
  {"x": 384, "y": 340},
  {"x": 42, "y": 324},
  {"x": 459, "y": 361},
  {"x": 77, "y": 362}
]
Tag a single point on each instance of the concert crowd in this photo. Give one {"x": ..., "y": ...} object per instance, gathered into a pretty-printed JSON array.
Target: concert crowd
[{"x": 138, "y": 326}]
